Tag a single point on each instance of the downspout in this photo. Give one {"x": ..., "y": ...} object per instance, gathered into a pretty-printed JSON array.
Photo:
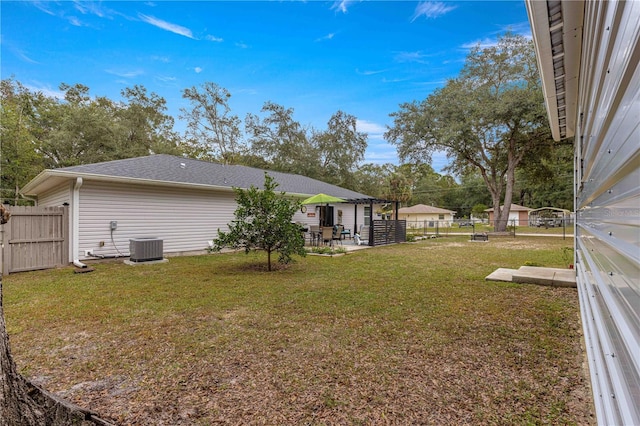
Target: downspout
[
  {"x": 75, "y": 223},
  {"x": 34, "y": 200}
]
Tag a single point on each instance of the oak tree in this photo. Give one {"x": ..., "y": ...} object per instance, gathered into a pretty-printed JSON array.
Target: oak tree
[{"x": 486, "y": 120}]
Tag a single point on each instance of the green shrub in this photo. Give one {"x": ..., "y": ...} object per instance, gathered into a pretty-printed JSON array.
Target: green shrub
[{"x": 327, "y": 250}]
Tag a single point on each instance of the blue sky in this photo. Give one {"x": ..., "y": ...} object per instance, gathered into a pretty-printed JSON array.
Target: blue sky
[{"x": 362, "y": 57}]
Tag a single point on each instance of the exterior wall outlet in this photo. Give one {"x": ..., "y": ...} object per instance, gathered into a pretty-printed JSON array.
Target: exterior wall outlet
[
  {"x": 87, "y": 252},
  {"x": 113, "y": 225}
]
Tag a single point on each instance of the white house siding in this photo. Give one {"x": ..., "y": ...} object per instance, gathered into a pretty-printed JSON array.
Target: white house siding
[
  {"x": 55, "y": 197},
  {"x": 348, "y": 215},
  {"x": 417, "y": 220},
  {"x": 608, "y": 206},
  {"x": 185, "y": 219}
]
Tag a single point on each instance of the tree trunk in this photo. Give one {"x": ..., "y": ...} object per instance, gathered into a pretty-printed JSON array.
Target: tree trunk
[
  {"x": 16, "y": 405},
  {"x": 24, "y": 404},
  {"x": 508, "y": 194}
]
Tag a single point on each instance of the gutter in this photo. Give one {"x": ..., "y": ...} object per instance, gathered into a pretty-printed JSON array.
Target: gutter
[
  {"x": 45, "y": 174},
  {"x": 75, "y": 243}
]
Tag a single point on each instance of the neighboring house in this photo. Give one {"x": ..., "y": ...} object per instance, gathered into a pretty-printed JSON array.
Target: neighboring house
[
  {"x": 518, "y": 215},
  {"x": 589, "y": 59},
  {"x": 178, "y": 200},
  {"x": 417, "y": 215}
]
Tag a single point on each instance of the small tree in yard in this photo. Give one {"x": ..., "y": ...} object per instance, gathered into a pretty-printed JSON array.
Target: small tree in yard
[{"x": 263, "y": 221}]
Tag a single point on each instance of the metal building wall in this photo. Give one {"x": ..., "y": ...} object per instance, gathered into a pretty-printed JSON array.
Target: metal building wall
[{"x": 608, "y": 206}]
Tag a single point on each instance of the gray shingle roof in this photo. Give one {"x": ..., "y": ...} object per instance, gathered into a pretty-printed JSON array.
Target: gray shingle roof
[{"x": 169, "y": 168}]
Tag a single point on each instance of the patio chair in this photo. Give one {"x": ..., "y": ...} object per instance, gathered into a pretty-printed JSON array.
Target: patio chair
[
  {"x": 364, "y": 235},
  {"x": 337, "y": 233},
  {"x": 314, "y": 234},
  {"x": 327, "y": 235}
]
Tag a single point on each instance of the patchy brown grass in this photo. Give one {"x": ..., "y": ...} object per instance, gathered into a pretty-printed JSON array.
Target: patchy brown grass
[{"x": 409, "y": 334}]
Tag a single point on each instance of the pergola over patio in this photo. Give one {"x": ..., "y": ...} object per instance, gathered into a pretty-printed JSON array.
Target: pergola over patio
[{"x": 381, "y": 231}]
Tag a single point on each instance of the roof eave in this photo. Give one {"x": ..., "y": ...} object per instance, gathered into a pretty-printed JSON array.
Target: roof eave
[
  {"x": 556, "y": 27},
  {"x": 50, "y": 178},
  {"x": 43, "y": 182}
]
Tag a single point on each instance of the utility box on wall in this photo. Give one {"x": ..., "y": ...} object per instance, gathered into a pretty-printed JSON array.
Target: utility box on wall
[{"x": 145, "y": 249}]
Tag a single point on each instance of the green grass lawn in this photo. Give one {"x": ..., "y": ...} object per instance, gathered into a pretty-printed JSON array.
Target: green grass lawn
[{"x": 404, "y": 334}]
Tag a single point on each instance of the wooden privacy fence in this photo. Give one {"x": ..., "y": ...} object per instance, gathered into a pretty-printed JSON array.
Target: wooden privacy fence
[
  {"x": 389, "y": 232},
  {"x": 35, "y": 238}
]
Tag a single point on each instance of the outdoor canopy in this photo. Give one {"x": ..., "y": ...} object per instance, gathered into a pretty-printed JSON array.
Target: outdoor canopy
[{"x": 322, "y": 199}]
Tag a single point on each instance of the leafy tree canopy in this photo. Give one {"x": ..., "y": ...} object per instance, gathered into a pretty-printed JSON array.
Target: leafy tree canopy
[
  {"x": 213, "y": 132},
  {"x": 282, "y": 142}
]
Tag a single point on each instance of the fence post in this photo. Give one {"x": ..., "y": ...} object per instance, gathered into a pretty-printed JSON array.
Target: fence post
[
  {"x": 1, "y": 251},
  {"x": 65, "y": 234},
  {"x": 6, "y": 252}
]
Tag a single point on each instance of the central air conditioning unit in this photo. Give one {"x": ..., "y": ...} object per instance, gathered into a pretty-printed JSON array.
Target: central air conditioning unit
[{"x": 145, "y": 249}]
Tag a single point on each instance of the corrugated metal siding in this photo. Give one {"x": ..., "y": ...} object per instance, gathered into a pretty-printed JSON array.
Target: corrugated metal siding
[
  {"x": 608, "y": 206},
  {"x": 185, "y": 220}
]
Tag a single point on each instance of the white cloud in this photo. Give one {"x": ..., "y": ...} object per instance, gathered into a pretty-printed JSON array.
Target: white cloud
[
  {"x": 166, "y": 79},
  {"x": 242, "y": 45},
  {"x": 46, "y": 90},
  {"x": 483, "y": 44},
  {"x": 163, "y": 59},
  {"x": 25, "y": 58},
  {"x": 125, "y": 74},
  {"x": 74, "y": 21},
  {"x": 326, "y": 37},
  {"x": 369, "y": 72},
  {"x": 86, "y": 7},
  {"x": 374, "y": 130},
  {"x": 418, "y": 57},
  {"x": 246, "y": 91},
  {"x": 431, "y": 9},
  {"x": 43, "y": 6},
  {"x": 381, "y": 154},
  {"x": 167, "y": 26},
  {"x": 394, "y": 80},
  {"x": 198, "y": 70},
  {"x": 523, "y": 29},
  {"x": 341, "y": 5},
  {"x": 214, "y": 38}
]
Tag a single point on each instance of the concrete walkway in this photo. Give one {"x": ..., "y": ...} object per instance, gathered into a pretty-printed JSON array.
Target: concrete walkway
[{"x": 555, "y": 277}]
